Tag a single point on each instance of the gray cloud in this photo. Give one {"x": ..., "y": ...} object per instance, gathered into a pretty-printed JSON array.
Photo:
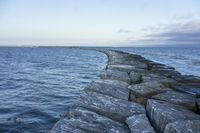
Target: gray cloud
[
  {"x": 187, "y": 33},
  {"x": 124, "y": 31}
]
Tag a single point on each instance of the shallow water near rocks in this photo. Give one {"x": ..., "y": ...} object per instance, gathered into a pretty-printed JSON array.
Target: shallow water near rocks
[{"x": 37, "y": 85}]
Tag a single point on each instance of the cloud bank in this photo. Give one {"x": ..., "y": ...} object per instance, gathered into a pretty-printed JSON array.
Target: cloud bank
[{"x": 175, "y": 34}]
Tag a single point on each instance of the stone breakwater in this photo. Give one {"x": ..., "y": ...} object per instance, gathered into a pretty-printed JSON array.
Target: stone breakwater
[{"x": 135, "y": 95}]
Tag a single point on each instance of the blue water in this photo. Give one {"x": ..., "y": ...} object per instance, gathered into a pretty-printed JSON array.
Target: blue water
[
  {"x": 184, "y": 60},
  {"x": 38, "y": 84}
]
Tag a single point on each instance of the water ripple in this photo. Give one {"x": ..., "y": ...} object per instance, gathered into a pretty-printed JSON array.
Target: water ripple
[{"x": 37, "y": 85}]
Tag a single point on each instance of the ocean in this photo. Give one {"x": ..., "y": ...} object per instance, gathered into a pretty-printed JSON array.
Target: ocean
[{"x": 37, "y": 85}]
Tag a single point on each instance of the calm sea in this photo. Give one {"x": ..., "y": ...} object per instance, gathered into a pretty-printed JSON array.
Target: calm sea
[{"x": 37, "y": 85}]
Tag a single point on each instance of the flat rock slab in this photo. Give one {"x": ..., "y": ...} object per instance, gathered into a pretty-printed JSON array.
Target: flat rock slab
[
  {"x": 113, "y": 108},
  {"x": 115, "y": 75},
  {"x": 139, "y": 124},
  {"x": 65, "y": 126},
  {"x": 168, "y": 82},
  {"x": 124, "y": 61},
  {"x": 108, "y": 89},
  {"x": 146, "y": 89},
  {"x": 125, "y": 68},
  {"x": 186, "y": 100},
  {"x": 85, "y": 120},
  {"x": 117, "y": 83},
  {"x": 186, "y": 126},
  {"x": 162, "y": 113}
]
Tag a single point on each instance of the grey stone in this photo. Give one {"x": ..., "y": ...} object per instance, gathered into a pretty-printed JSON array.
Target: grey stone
[
  {"x": 113, "y": 108},
  {"x": 118, "y": 83},
  {"x": 135, "y": 77},
  {"x": 108, "y": 89},
  {"x": 168, "y": 82},
  {"x": 125, "y": 68},
  {"x": 161, "y": 113},
  {"x": 190, "y": 89},
  {"x": 185, "y": 126},
  {"x": 146, "y": 89},
  {"x": 127, "y": 59},
  {"x": 115, "y": 75},
  {"x": 178, "y": 98},
  {"x": 64, "y": 126},
  {"x": 92, "y": 122},
  {"x": 139, "y": 124}
]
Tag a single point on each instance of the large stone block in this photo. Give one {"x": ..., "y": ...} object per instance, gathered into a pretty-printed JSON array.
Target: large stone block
[
  {"x": 118, "y": 83},
  {"x": 162, "y": 113},
  {"x": 127, "y": 60},
  {"x": 139, "y": 124},
  {"x": 146, "y": 89},
  {"x": 108, "y": 89},
  {"x": 115, "y": 75},
  {"x": 168, "y": 82},
  {"x": 185, "y": 126},
  {"x": 64, "y": 126},
  {"x": 80, "y": 119},
  {"x": 113, "y": 108},
  {"x": 125, "y": 68},
  {"x": 186, "y": 100}
]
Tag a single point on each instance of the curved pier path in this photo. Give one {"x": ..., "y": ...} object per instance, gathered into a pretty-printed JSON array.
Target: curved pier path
[{"x": 135, "y": 95}]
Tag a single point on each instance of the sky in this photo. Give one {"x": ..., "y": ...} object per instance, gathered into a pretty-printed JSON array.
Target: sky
[{"x": 100, "y": 22}]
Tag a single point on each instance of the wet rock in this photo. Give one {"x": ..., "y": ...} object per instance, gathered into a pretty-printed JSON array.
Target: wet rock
[
  {"x": 139, "y": 124},
  {"x": 125, "y": 68},
  {"x": 135, "y": 77},
  {"x": 178, "y": 98},
  {"x": 113, "y": 108},
  {"x": 115, "y": 75},
  {"x": 108, "y": 89},
  {"x": 185, "y": 126},
  {"x": 162, "y": 113}
]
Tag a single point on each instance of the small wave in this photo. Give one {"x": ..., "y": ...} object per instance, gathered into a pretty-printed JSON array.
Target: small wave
[
  {"x": 179, "y": 57},
  {"x": 194, "y": 62}
]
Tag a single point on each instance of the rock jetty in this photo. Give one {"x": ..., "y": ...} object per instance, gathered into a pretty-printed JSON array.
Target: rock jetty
[{"x": 135, "y": 95}]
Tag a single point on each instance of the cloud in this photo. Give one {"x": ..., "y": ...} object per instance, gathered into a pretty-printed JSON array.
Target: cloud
[
  {"x": 124, "y": 31},
  {"x": 178, "y": 33}
]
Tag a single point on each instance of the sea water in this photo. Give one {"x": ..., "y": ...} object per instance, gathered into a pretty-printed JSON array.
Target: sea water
[{"x": 37, "y": 85}]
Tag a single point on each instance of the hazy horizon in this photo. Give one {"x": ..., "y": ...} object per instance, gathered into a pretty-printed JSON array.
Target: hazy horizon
[{"x": 100, "y": 23}]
